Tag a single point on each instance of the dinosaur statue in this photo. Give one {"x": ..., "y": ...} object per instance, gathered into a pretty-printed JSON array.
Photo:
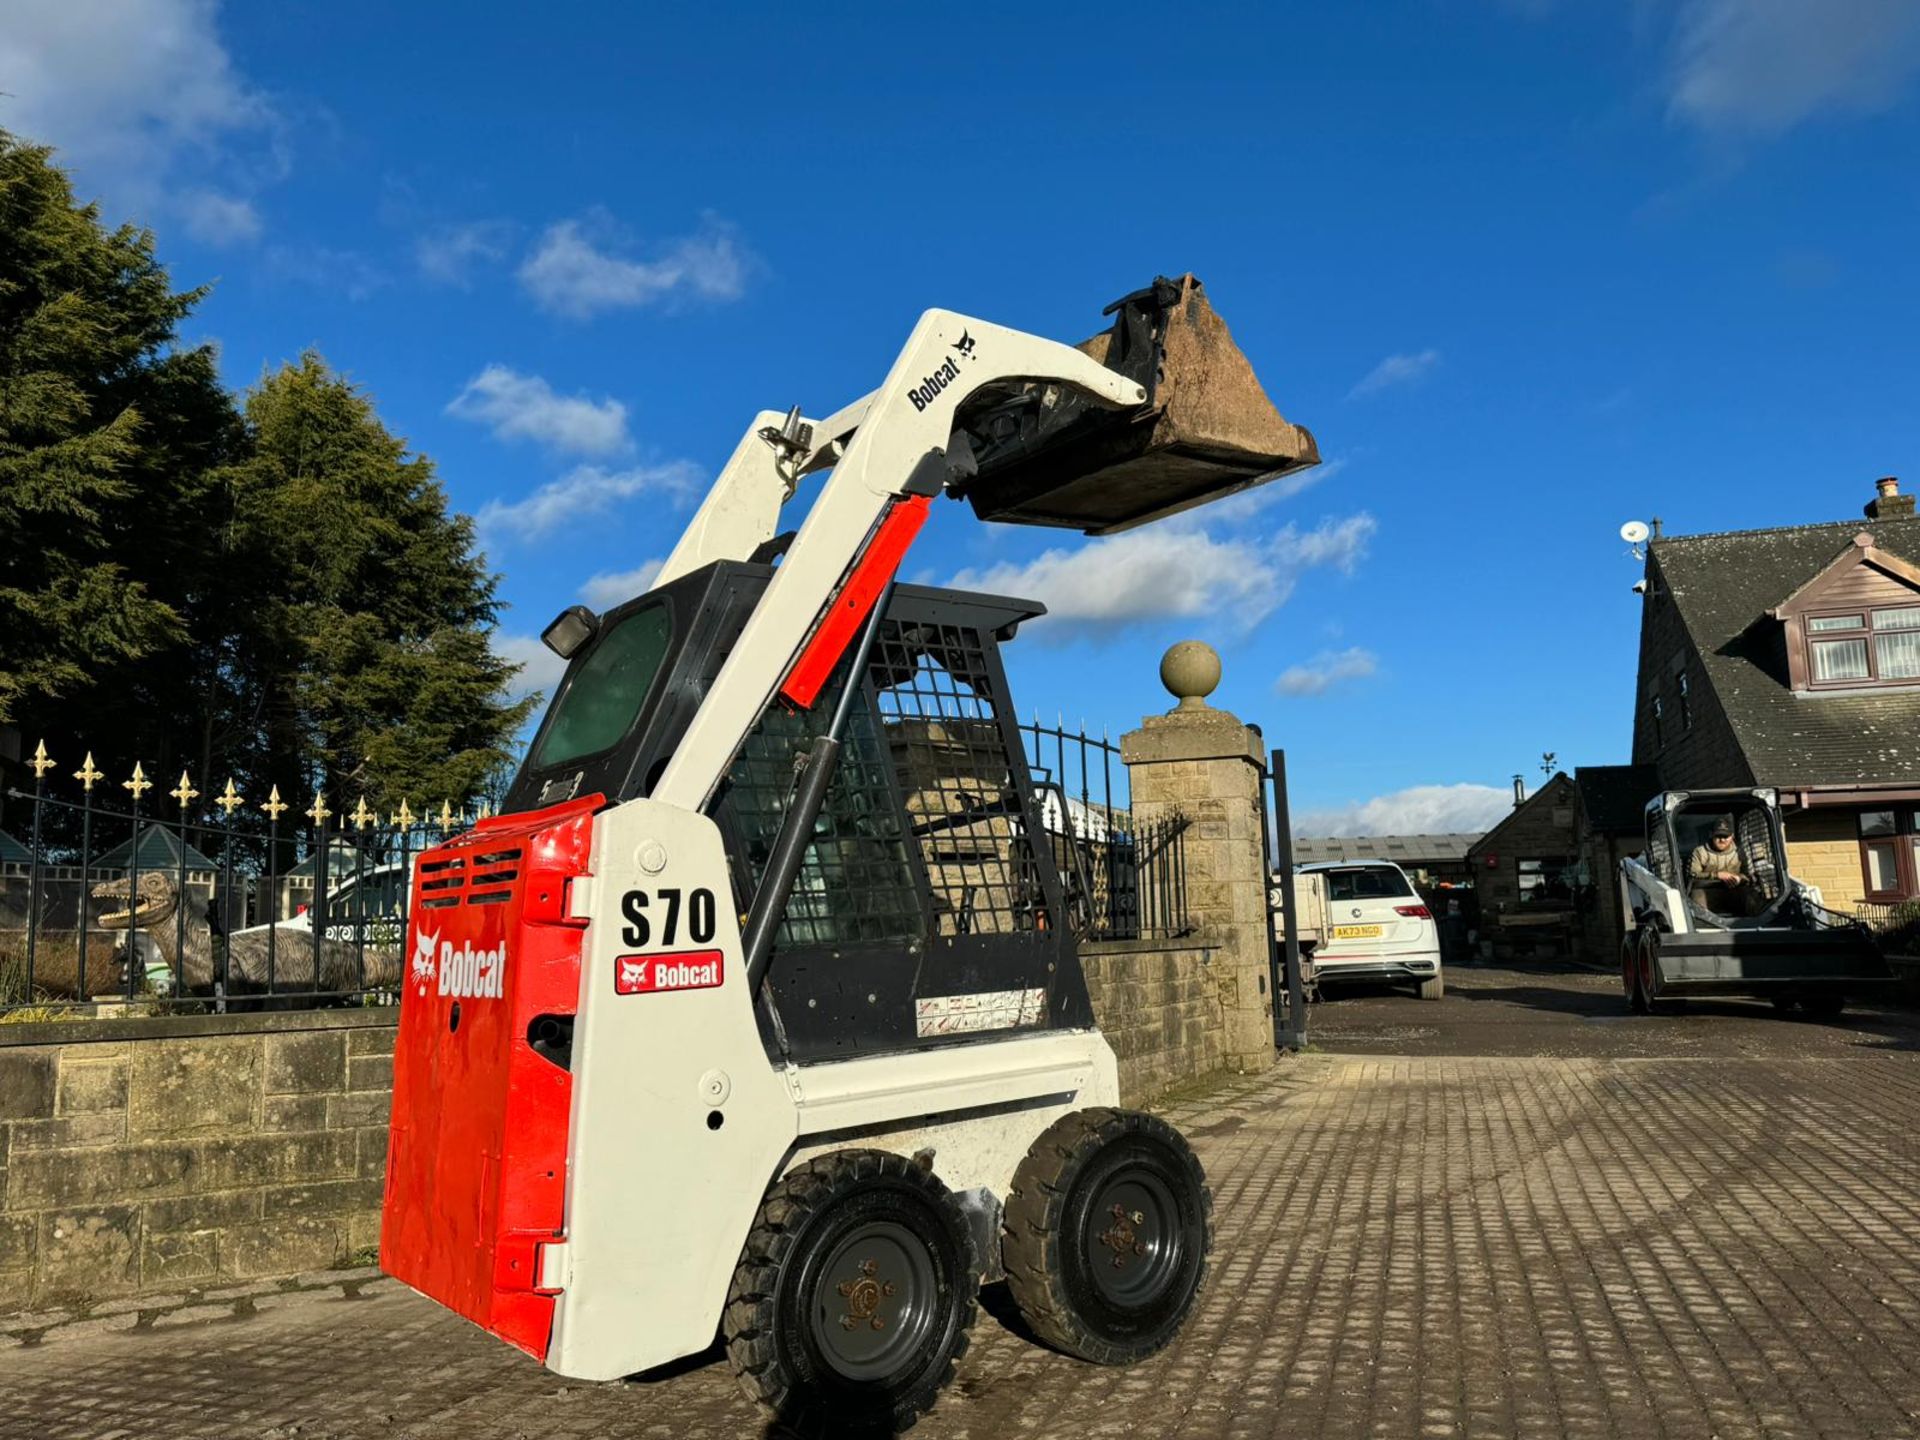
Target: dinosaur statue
[{"x": 251, "y": 957}]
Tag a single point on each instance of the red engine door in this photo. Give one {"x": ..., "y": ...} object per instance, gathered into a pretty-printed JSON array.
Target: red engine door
[{"x": 477, "y": 1153}]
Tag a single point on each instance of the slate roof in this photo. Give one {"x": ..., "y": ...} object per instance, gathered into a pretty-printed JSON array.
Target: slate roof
[
  {"x": 12, "y": 852},
  {"x": 1615, "y": 796},
  {"x": 1723, "y": 585},
  {"x": 1400, "y": 849},
  {"x": 159, "y": 850}
]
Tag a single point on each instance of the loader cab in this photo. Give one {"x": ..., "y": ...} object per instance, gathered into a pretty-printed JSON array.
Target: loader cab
[
  {"x": 631, "y": 688},
  {"x": 1681, "y": 852},
  {"x": 930, "y": 882}
]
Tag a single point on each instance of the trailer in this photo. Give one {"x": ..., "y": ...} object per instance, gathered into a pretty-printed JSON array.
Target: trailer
[
  {"x": 758, "y": 1013},
  {"x": 1729, "y": 920}
]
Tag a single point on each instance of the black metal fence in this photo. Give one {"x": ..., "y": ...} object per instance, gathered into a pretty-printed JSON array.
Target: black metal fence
[
  {"x": 1126, "y": 878},
  {"x": 178, "y": 900},
  {"x": 1896, "y": 927},
  {"x": 181, "y": 901}
]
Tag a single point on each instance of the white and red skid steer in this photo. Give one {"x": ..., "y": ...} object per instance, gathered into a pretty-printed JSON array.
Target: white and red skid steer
[{"x": 758, "y": 1011}]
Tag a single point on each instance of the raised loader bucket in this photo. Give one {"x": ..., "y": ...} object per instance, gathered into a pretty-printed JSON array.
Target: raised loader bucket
[{"x": 1047, "y": 456}]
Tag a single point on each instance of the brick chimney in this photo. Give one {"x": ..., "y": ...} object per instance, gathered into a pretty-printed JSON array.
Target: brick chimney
[{"x": 1889, "y": 503}]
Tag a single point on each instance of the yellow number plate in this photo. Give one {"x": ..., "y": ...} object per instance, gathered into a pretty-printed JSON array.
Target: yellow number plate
[{"x": 1355, "y": 932}]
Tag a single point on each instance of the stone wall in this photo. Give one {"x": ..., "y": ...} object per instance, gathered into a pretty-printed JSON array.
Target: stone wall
[
  {"x": 1204, "y": 764},
  {"x": 1160, "y": 1005},
  {"x": 176, "y": 1153}
]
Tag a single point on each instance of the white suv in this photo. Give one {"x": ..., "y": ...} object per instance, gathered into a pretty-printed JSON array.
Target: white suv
[{"x": 1377, "y": 928}]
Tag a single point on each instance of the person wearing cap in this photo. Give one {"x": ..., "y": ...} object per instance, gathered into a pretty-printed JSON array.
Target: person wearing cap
[{"x": 1718, "y": 875}]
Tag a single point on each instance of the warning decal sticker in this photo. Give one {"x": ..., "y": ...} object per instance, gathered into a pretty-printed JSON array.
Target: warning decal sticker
[{"x": 993, "y": 1010}]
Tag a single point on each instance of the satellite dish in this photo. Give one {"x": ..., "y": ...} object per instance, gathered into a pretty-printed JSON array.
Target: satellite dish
[{"x": 1635, "y": 532}]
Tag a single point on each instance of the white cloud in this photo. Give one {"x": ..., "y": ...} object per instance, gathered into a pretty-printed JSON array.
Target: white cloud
[
  {"x": 585, "y": 491},
  {"x": 1418, "y": 810},
  {"x": 540, "y": 669},
  {"x": 1396, "y": 370},
  {"x": 216, "y": 219},
  {"x": 1326, "y": 670},
  {"x": 571, "y": 274},
  {"x": 143, "y": 100},
  {"x": 1173, "y": 571},
  {"x": 525, "y": 407},
  {"x": 610, "y": 588},
  {"x": 1759, "y": 67},
  {"x": 449, "y": 254}
]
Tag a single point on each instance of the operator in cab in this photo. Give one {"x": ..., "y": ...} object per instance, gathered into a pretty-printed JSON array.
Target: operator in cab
[{"x": 1717, "y": 875}]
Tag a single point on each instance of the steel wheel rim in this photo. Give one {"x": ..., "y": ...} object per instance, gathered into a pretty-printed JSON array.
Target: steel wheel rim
[
  {"x": 1132, "y": 1241},
  {"x": 873, "y": 1304}
]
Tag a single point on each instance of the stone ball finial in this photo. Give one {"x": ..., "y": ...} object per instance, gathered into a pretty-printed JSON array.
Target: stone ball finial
[{"x": 1191, "y": 671}]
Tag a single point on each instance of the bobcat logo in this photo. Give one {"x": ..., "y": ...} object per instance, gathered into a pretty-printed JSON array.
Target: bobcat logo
[
  {"x": 965, "y": 344},
  {"x": 424, "y": 948}
]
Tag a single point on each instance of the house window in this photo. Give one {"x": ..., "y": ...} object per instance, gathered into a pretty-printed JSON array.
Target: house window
[
  {"x": 1890, "y": 853},
  {"x": 1865, "y": 647},
  {"x": 1549, "y": 882},
  {"x": 1686, "y": 701}
]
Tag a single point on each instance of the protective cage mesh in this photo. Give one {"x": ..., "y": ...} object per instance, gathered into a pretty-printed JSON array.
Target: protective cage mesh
[
  {"x": 854, "y": 883},
  {"x": 946, "y": 732},
  {"x": 925, "y": 762}
]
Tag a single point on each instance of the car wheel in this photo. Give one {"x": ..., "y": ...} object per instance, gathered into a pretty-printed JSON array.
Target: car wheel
[
  {"x": 855, "y": 1296},
  {"x": 1106, "y": 1234}
]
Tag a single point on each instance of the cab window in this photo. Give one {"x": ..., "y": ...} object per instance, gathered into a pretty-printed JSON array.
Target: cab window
[{"x": 605, "y": 691}]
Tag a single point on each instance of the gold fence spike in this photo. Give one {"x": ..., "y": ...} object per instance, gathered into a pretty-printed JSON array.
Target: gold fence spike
[
  {"x": 229, "y": 799},
  {"x": 184, "y": 792},
  {"x": 139, "y": 784},
  {"x": 40, "y": 762},
  {"x": 446, "y": 817},
  {"x": 319, "y": 813},
  {"x": 274, "y": 805},
  {"x": 363, "y": 817},
  {"x": 86, "y": 774},
  {"x": 403, "y": 817}
]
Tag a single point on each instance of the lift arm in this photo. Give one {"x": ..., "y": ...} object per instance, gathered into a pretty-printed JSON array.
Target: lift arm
[{"x": 885, "y": 449}]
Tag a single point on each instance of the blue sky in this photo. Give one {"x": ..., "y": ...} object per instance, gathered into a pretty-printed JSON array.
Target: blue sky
[{"x": 1527, "y": 270}]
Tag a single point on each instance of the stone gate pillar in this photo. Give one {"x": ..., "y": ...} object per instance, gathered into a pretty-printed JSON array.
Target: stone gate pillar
[{"x": 1205, "y": 764}]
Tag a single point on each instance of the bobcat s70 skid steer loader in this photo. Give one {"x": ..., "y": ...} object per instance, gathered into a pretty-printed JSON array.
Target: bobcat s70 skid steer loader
[{"x": 758, "y": 1012}]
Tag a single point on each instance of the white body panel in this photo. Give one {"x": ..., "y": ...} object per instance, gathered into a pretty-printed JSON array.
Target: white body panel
[
  {"x": 1647, "y": 892},
  {"x": 659, "y": 1203}
]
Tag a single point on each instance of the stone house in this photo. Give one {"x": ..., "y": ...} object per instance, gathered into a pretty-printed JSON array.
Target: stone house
[
  {"x": 1530, "y": 876},
  {"x": 1790, "y": 658}
]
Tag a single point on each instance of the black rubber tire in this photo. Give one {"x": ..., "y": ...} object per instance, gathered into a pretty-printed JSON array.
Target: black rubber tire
[
  {"x": 1823, "y": 1004},
  {"x": 1656, "y": 1002},
  {"x": 1630, "y": 972},
  {"x": 787, "y": 1350},
  {"x": 1063, "y": 1190},
  {"x": 1785, "y": 1004}
]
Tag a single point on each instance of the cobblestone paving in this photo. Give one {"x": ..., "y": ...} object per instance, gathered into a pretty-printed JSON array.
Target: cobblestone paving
[{"x": 1419, "y": 1246}]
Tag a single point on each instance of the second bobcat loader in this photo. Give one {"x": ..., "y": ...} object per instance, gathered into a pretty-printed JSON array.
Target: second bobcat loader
[
  {"x": 1758, "y": 932},
  {"x": 758, "y": 1011}
]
